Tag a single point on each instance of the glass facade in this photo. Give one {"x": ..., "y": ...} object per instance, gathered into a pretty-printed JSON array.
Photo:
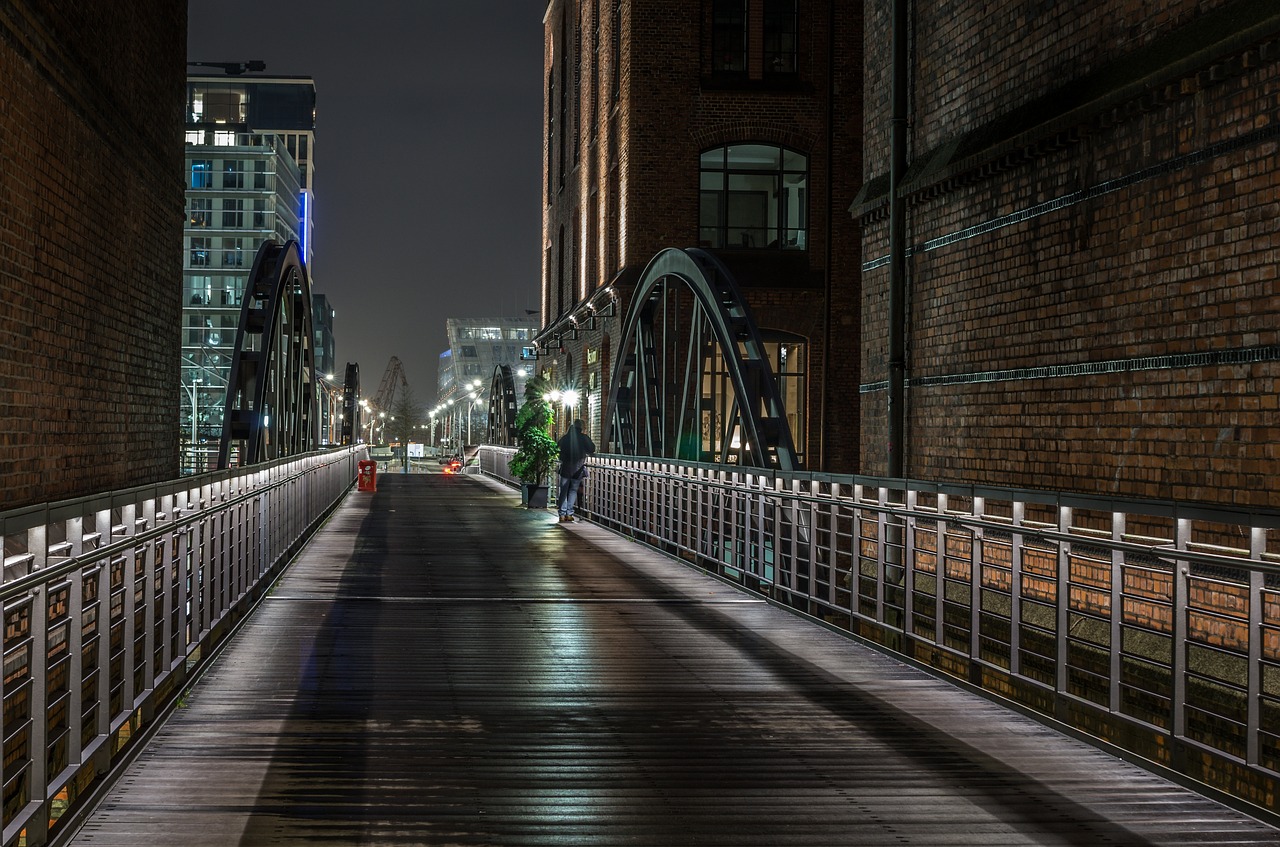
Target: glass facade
[
  {"x": 227, "y": 221},
  {"x": 249, "y": 145},
  {"x": 476, "y": 347}
]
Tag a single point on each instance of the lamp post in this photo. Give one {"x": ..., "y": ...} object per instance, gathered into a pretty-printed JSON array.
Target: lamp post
[
  {"x": 451, "y": 424},
  {"x": 471, "y": 410},
  {"x": 431, "y": 429},
  {"x": 473, "y": 396}
]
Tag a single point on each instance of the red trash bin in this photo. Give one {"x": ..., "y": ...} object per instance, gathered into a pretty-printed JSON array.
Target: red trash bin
[{"x": 367, "y": 477}]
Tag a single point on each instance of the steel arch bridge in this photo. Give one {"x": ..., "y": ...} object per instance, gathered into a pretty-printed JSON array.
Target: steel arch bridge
[
  {"x": 502, "y": 406},
  {"x": 692, "y": 380},
  {"x": 270, "y": 408}
]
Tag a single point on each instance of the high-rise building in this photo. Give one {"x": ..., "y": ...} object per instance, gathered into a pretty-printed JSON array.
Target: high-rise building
[
  {"x": 722, "y": 126},
  {"x": 249, "y": 143},
  {"x": 328, "y": 378}
]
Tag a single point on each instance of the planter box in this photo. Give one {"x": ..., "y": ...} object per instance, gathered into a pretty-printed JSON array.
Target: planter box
[{"x": 534, "y": 496}]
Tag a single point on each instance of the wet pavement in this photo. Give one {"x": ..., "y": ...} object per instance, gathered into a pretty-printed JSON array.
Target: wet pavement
[{"x": 444, "y": 667}]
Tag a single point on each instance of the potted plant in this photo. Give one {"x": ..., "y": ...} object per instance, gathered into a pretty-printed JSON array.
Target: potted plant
[{"x": 536, "y": 450}]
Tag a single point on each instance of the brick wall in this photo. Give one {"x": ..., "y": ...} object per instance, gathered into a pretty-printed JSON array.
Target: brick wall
[
  {"x": 90, "y": 245},
  {"x": 1093, "y": 295}
]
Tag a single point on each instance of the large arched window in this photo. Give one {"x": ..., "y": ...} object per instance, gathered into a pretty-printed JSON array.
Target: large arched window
[{"x": 754, "y": 196}]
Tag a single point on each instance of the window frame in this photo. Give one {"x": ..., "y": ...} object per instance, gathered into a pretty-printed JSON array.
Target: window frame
[
  {"x": 777, "y": 59},
  {"x": 781, "y": 233},
  {"x": 730, "y": 20},
  {"x": 200, "y": 212},
  {"x": 201, "y": 250}
]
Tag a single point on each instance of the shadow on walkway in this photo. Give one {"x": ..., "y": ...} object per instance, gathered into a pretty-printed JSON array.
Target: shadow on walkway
[{"x": 443, "y": 667}]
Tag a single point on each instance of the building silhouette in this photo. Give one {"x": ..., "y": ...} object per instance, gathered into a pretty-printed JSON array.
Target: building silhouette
[{"x": 729, "y": 127}]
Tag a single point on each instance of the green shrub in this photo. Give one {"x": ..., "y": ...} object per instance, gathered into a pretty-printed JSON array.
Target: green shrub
[{"x": 536, "y": 451}]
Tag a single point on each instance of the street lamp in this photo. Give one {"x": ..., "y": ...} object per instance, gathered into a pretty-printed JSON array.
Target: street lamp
[
  {"x": 473, "y": 396},
  {"x": 567, "y": 398}
]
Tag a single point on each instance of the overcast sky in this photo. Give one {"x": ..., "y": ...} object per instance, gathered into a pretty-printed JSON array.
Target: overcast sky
[{"x": 427, "y": 159}]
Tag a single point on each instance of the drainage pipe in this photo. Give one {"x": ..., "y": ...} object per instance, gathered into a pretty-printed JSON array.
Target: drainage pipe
[{"x": 896, "y": 409}]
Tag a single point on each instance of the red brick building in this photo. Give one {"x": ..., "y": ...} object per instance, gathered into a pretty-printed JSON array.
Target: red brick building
[
  {"x": 1091, "y": 207},
  {"x": 91, "y": 213},
  {"x": 732, "y": 127}
]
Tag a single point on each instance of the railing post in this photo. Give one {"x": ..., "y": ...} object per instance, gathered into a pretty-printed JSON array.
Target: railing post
[
  {"x": 909, "y": 571},
  {"x": 1117, "y": 609},
  {"x": 1019, "y": 512},
  {"x": 38, "y": 782},
  {"x": 1257, "y": 580},
  {"x": 128, "y": 693},
  {"x": 1064, "y": 605},
  {"x": 975, "y": 588},
  {"x": 1178, "y": 661},
  {"x": 75, "y": 643},
  {"x": 940, "y": 572},
  {"x": 149, "y": 556}
]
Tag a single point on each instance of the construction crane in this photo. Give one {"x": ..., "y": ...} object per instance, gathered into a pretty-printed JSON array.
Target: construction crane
[{"x": 393, "y": 379}]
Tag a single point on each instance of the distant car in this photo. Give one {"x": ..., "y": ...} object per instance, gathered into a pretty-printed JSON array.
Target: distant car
[{"x": 453, "y": 465}]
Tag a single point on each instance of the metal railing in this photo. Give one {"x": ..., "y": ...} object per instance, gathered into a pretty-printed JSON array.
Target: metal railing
[
  {"x": 111, "y": 603},
  {"x": 1153, "y": 626}
]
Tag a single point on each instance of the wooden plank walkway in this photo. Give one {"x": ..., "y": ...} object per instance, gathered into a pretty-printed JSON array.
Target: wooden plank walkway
[{"x": 442, "y": 667}]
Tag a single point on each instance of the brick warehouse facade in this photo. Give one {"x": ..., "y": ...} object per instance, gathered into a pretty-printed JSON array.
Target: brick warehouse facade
[
  {"x": 636, "y": 92},
  {"x": 91, "y": 213},
  {"x": 1091, "y": 229}
]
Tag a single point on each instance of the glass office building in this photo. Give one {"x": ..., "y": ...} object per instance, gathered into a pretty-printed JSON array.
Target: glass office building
[{"x": 249, "y": 147}]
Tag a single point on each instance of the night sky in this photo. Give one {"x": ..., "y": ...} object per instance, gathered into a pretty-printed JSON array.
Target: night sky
[{"x": 427, "y": 159}]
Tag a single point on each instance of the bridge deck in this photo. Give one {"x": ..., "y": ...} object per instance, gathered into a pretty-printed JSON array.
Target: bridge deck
[{"x": 443, "y": 667}]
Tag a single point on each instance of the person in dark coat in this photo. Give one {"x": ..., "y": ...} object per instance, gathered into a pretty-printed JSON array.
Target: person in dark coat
[{"x": 575, "y": 446}]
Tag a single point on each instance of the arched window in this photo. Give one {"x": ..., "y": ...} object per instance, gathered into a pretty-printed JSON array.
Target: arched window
[{"x": 754, "y": 196}]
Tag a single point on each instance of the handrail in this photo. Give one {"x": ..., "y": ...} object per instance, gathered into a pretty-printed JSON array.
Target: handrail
[
  {"x": 101, "y": 639},
  {"x": 1153, "y": 626}
]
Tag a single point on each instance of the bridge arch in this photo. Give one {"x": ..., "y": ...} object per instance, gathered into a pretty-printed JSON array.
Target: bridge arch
[
  {"x": 503, "y": 405},
  {"x": 691, "y": 379},
  {"x": 271, "y": 394}
]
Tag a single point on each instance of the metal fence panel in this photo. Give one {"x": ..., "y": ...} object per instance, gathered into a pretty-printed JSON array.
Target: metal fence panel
[
  {"x": 1153, "y": 626},
  {"x": 111, "y": 602}
]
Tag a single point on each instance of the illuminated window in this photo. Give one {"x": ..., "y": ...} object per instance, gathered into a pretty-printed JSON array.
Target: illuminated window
[
  {"x": 753, "y": 196},
  {"x": 201, "y": 211},
  {"x": 201, "y": 173}
]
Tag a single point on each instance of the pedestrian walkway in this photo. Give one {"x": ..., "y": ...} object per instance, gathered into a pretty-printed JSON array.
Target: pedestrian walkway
[{"x": 443, "y": 667}]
